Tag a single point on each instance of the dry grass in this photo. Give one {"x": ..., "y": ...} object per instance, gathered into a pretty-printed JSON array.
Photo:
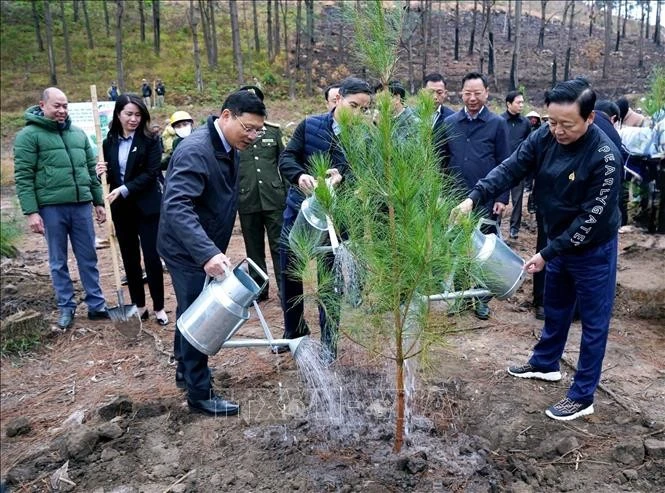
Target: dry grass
[{"x": 6, "y": 171}]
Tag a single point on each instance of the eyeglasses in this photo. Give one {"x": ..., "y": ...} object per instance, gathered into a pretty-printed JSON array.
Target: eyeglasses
[
  {"x": 355, "y": 106},
  {"x": 258, "y": 132}
]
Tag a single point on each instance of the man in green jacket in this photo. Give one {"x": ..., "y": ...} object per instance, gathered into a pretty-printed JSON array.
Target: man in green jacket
[
  {"x": 262, "y": 196},
  {"x": 54, "y": 170}
]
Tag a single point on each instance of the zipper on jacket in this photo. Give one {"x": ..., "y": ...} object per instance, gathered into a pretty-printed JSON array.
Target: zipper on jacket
[{"x": 71, "y": 161}]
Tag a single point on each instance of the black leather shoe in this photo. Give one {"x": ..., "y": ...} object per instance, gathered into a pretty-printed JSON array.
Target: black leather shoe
[
  {"x": 145, "y": 316},
  {"x": 180, "y": 380},
  {"x": 482, "y": 310},
  {"x": 540, "y": 312},
  {"x": 98, "y": 314},
  {"x": 215, "y": 406},
  {"x": 66, "y": 319}
]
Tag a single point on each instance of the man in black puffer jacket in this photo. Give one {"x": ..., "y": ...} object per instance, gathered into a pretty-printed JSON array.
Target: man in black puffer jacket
[{"x": 577, "y": 190}]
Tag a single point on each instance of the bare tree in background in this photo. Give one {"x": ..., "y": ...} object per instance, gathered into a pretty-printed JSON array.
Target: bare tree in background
[
  {"x": 640, "y": 51},
  {"x": 656, "y": 29},
  {"x": 616, "y": 46},
  {"x": 514, "y": 77},
  {"x": 566, "y": 65},
  {"x": 88, "y": 28},
  {"x": 107, "y": 23},
  {"x": 48, "y": 22},
  {"x": 193, "y": 25},
  {"x": 235, "y": 34},
  {"x": 592, "y": 17},
  {"x": 271, "y": 51},
  {"x": 213, "y": 34},
  {"x": 142, "y": 20},
  {"x": 543, "y": 23},
  {"x": 65, "y": 35},
  {"x": 287, "y": 65},
  {"x": 309, "y": 7},
  {"x": 120, "y": 71},
  {"x": 155, "y": 25},
  {"x": 38, "y": 32},
  {"x": 257, "y": 44},
  {"x": 473, "y": 28},
  {"x": 298, "y": 32},
  {"x": 490, "y": 38},
  {"x": 277, "y": 42},
  {"x": 425, "y": 14},
  {"x": 75, "y": 7},
  {"x": 507, "y": 21},
  {"x": 608, "y": 38},
  {"x": 456, "y": 45}
]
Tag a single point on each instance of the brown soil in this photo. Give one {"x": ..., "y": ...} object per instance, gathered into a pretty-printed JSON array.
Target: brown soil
[{"x": 475, "y": 428}]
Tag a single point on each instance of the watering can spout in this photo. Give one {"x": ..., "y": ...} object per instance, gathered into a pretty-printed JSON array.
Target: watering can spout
[{"x": 294, "y": 344}]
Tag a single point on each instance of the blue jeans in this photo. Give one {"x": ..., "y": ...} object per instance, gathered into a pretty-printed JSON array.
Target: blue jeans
[
  {"x": 73, "y": 221},
  {"x": 590, "y": 278}
]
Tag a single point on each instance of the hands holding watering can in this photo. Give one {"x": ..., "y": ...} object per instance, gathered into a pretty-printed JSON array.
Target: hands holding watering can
[
  {"x": 307, "y": 183},
  {"x": 217, "y": 265},
  {"x": 533, "y": 265}
]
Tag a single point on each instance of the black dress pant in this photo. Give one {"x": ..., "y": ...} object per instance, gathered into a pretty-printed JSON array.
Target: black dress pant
[
  {"x": 255, "y": 226},
  {"x": 136, "y": 233},
  {"x": 192, "y": 363},
  {"x": 539, "y": 277}
]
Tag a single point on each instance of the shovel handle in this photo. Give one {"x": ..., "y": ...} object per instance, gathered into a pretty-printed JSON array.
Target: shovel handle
[{"x": 105, "y": 187}]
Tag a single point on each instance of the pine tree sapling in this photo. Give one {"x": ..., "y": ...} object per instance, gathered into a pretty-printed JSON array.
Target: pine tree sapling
[{"x": 395, "y": 211}]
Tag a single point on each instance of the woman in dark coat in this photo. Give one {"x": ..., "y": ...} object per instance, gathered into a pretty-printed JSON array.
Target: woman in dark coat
[{"x": 133, "y": 170}]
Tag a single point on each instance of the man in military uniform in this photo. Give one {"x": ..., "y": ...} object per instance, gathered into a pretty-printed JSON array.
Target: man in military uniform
[{"x": 262, "y": 196}]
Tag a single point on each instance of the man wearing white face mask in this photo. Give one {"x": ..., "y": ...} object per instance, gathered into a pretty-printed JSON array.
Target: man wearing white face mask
[{"x": 180, "y": 126}]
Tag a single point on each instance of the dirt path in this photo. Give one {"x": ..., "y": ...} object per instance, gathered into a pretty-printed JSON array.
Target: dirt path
[{"x": 475, "y": 428}]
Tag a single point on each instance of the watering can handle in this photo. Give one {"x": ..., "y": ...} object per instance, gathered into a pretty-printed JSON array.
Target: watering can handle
[
  {"x": 208, "y": 278},
  {"x": 258, "y": 270},
  {"x": 489, "y": 222}
]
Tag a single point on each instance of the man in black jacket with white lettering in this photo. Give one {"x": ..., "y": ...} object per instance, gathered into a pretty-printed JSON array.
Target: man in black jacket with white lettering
[
  {"x": 198, "y": 211},
  {"x": 577, "y": 189}
]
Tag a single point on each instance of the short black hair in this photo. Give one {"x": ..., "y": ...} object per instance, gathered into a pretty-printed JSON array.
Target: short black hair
[
  {"x": 394, "y": 87},
  {"x": 240, "y": 102},
  {"x": 608, "y": 107},
  {"x": 336, "y": 85},
  {"x": 475, "y": 75},
  {"x": 624, "y": 106},
  {"x": 510, "y": 97},
  {"x": 433, "y": 77},
  {"x": 354, "y": 85},
  {"x": 577, "y": 91},
  {"x": 253, "y": 89}
]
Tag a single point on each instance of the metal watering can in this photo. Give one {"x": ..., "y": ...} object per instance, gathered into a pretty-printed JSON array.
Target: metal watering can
[
  {"x": 222, "y": 308},
  {"x": 312, "y": 225},
  {"x": 500, "y": 269}
]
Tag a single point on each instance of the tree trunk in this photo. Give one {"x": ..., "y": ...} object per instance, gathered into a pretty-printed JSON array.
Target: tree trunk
[
  {"x": 309, "y": 7},
  {"x": 608, "y": 39},
  {"x": 38, "y": 32},
  {"x": 507, "y": 19},
  {"x": 75, "y": 7},
  {"x": 205, "y": 27},
  {"x": 473, "y": 28},
  {"x": 107, "y": 22},
  {"x": 277, "y": 42},
  {"x": 616, "y": 46},
  {"x": 235, "y": 34},
  {"x": 193, "y": 25},
  {"x": 647, "y": 24},
  {"x": 142, "y": 20},
  {"x": 399, "y": 397},
  {"x": 120, "y": 71},
  {"x": 287, "y": 66},
  {"x": 566, "y": 66},
  {"x": 640, "y": 52},
  {"x": 514, "y": 76},
  {"x": 592, "y": 17},
  {"x": 155, "y": 25},
  {"x": 490, "y": 36},
  {"x": 625, "y": 19},
  {"x": 456, "y": 52},
  {"x": 65, "y": 35},
  {"x": 340, "y": 38},
  {"x": 88, "y": 29},
  {"x": 424, "y": 37},
  {"x": 271, "y": 54},
  {"x": 257, "y": 44},
  {"x": 298, "y": 32},
  {"x": 213, "y": 34},
  {"x": 48, "y": 22},
  {"x": 543, "y": 23},
  {"x": 656, "y": 29}
]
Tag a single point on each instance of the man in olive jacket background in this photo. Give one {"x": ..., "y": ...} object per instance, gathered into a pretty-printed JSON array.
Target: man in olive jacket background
[
  {"x": 54, "y": 170},
  {"x": 262, "y": 196}
]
